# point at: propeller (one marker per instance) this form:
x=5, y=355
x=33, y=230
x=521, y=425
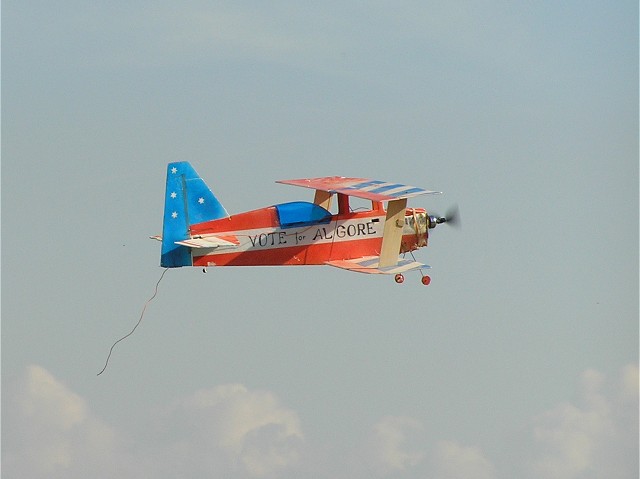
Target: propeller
x=452, y=217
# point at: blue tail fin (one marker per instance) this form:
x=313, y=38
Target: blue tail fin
x=187, y=200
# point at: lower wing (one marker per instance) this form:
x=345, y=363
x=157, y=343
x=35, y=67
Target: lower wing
x=370, y=265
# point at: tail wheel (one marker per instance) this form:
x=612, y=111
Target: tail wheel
x=399, y=278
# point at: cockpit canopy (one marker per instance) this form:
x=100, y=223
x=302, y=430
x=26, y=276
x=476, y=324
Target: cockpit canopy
x=301, y=213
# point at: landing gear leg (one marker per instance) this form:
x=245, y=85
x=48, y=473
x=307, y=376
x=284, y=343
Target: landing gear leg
x=399, y=278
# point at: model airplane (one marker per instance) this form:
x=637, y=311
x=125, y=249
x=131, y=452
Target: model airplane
x=198, y=231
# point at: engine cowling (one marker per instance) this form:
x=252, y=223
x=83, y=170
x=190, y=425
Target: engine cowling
x=416, y=225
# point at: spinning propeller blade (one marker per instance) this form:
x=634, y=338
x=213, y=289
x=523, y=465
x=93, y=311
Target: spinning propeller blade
x=452, y=217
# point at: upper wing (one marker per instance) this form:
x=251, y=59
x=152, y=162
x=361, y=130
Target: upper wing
x=371, y=265
x=374, y=190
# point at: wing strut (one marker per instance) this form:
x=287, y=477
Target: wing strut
x=323, y=198
x=392, y=233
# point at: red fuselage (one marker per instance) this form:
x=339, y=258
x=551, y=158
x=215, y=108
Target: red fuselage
x=263, y=239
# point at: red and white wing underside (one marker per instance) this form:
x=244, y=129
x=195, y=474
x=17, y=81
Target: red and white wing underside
x=368, y=189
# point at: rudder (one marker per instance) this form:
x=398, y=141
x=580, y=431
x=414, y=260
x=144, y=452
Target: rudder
x=187, y=201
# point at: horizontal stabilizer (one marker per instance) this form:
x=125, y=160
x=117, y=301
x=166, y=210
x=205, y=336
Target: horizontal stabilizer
x=370, y=265
x=228, y=241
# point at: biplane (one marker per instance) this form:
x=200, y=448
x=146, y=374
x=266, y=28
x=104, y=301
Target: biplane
x=198, y=231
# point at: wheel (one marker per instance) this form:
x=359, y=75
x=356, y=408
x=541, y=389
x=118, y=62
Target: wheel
x=426, y=280
x=399, y=278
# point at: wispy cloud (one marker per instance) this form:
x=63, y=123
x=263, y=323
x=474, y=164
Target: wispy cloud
x=49, y=431
x=231, y=428
x=454, y=461
x=391, y=446
x=596, y=437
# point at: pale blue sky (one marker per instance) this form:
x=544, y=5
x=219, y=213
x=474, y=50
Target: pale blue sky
x=519, y=360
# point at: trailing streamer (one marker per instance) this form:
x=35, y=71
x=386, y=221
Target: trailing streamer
x=137, y=324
